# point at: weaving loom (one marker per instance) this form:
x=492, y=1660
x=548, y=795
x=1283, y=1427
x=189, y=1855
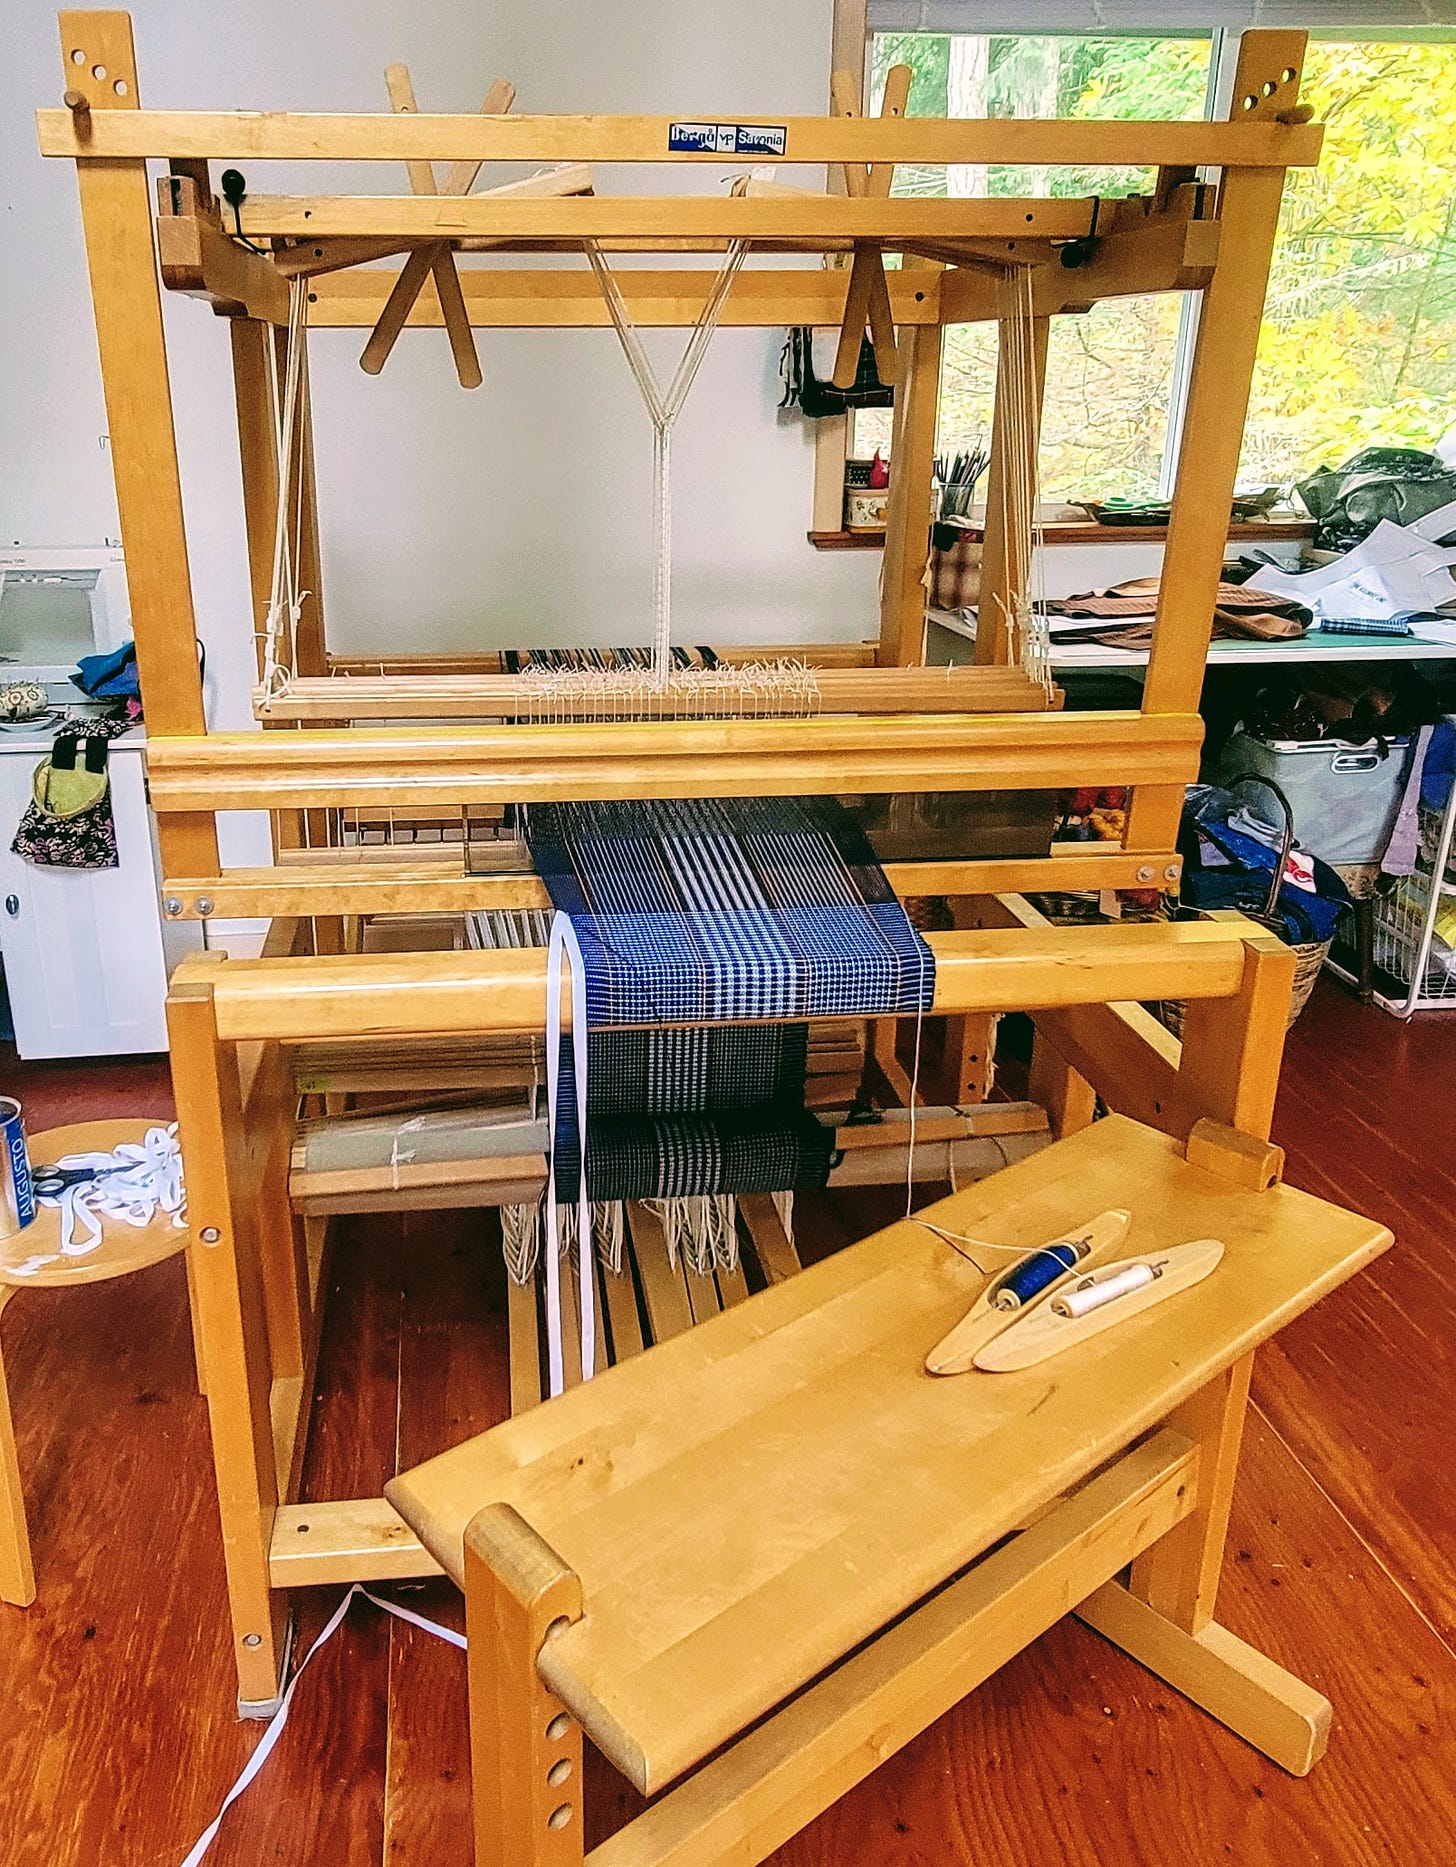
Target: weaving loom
x=355, y=1044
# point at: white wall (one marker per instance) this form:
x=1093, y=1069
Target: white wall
x=513, y=515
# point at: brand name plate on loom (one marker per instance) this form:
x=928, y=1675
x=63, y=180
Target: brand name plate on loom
x=726, y=139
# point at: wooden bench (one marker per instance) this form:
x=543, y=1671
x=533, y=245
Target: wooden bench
x=670, y=1554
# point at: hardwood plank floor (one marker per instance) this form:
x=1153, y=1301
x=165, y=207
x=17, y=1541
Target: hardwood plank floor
x=117, y=1735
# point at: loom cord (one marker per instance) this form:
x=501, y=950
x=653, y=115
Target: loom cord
x=565, y=950
x=663, y=411
x=1022, y=529
x=289, y=402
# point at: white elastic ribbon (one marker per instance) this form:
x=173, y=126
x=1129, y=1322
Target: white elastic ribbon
x=280, y=1717
x=129, y=1185
x=564, y=943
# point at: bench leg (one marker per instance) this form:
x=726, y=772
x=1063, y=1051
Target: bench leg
x=1266, y=1706
x=1164, y=1616
x=17, y=1576
x=1068, y=1098
x=525, y=1747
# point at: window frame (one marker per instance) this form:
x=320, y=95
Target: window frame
x=851, y=35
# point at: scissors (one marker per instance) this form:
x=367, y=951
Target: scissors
x=51, y=1182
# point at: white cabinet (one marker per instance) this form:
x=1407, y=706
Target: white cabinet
x=84, y=965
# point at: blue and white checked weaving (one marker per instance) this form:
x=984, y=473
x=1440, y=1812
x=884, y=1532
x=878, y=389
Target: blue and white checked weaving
x=721, y=910
x=711, y=927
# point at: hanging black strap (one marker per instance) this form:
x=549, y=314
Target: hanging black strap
x=63, y=753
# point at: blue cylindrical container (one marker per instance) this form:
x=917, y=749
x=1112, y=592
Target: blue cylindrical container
x=17, y=1192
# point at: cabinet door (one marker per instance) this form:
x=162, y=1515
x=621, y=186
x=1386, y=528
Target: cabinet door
x=83, y=947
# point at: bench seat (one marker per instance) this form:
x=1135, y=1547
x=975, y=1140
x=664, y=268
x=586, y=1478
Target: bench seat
x=747, y=1503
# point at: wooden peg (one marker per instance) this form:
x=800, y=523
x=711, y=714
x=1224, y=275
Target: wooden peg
x=867, y=263
x=436, y=258
x=844, y=96
x=869, y=182
x=460, y=176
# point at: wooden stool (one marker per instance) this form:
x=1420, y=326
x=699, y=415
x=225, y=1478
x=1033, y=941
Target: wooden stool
x=123, y=1248
x=668, y=1556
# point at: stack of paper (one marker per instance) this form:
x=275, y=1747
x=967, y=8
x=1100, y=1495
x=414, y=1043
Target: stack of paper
x=1397, y=571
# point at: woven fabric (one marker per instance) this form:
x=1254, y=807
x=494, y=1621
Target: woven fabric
x=691, y=1110
x=694, y=1069
x=685, y=1156
x=715, y=925
x=698, y=911
x=557, y=660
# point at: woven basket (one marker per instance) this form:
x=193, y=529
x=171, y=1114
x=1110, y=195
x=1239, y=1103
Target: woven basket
x=1309, y=955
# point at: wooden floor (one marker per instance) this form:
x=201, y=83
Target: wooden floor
x=117, y=1739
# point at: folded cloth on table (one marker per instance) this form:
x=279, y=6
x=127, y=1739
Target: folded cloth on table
x=1139, y=597
x=1228, y=626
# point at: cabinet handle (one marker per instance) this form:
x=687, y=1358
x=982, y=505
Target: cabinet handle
x=12, y=905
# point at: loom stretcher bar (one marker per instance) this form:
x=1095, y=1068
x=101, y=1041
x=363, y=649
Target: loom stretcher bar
x=506, y=696
x=553, y=297
x=802, y=223
x=666, y=758
x=267, y=135
x=400, y=994
x=442, y=887
x=1180, y=259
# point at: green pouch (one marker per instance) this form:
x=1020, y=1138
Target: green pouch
x=68, y=823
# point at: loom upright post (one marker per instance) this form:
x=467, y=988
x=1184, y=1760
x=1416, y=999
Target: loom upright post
x=1266, y=89
x=98, y=65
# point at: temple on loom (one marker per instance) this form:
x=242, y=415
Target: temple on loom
x=632, y=951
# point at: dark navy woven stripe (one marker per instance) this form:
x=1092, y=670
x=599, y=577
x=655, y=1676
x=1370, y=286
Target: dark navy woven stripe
x=685, y=1156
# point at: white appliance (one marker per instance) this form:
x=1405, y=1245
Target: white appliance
x=83, y=949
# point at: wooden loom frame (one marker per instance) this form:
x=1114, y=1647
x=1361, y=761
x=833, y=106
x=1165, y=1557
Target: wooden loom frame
x=258, y=1271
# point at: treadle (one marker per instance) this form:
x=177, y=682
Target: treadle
x=748, y=1502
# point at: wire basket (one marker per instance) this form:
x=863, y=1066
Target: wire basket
x=1400, y=917
x=1309, y=955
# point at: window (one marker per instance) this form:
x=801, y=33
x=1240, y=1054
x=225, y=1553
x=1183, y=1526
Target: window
x=1359, y=342
x=1110, y=371
x=1359, y=339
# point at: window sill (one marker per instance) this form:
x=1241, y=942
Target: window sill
x=1072, y=532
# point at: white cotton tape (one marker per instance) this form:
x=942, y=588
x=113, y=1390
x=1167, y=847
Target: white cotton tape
x=565, y=948
x=274, y=1731
x=128, y=1186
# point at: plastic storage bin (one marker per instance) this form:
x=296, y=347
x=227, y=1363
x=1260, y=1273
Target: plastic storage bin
x=1345, y=798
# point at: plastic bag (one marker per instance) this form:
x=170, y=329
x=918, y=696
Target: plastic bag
x=1401, y=484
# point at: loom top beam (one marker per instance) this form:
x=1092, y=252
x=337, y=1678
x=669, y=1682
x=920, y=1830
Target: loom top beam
x=271, y=135
x=451, y=766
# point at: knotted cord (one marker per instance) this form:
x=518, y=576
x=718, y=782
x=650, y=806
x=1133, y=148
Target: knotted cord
x=663, y=411
x=289, y=403
x=1024, y=604
x=127, y=1185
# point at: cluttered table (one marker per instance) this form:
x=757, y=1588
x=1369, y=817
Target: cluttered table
x=1428, y=641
